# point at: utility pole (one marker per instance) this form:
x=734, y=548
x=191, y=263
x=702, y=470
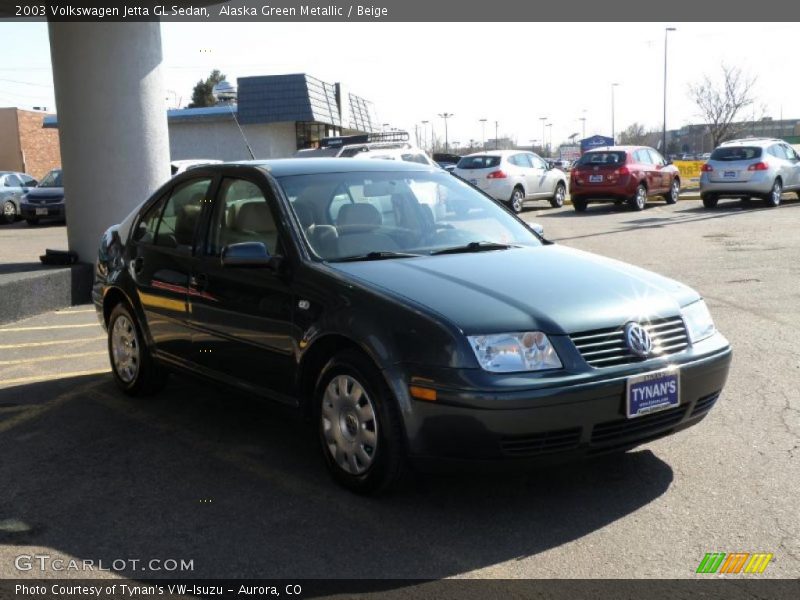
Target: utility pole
x=483, y=133
x=496, y=140
x=613, y=130
x=664, y=131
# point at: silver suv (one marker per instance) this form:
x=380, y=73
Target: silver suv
x=754, y=167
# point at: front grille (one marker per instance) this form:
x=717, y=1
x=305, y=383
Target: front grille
x=541, y=443
x=607, y=347
x=45, y=200
x=637, y=428
x=705, y=404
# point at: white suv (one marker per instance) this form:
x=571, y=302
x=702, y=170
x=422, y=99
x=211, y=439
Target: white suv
x=752, y=167
x=514, y=177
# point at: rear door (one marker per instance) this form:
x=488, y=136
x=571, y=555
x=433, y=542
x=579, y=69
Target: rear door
x=664, y=176
x=541, y=175
x=644, y=164
x=241, y=316
x=794, y=166
x=163, y=257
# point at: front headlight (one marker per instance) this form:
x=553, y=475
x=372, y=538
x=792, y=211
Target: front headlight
x=510, y=352
x=699, y=323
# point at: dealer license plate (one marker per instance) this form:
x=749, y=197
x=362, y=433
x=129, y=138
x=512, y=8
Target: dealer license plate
x=41, y=211
x=473, y=181
x=595, y=178
x=653, y=392
x=730, y=174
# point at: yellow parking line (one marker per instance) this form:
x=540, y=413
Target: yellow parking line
x=51, y=343
x=53, y=377
x=45, y=327
x=74, y=312
x=46, y=358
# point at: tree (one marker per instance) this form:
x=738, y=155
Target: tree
x=202, y=93
x=634, y=135
x=720, y=103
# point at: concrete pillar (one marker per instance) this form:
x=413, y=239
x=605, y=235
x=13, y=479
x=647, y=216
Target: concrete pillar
x=112, y=123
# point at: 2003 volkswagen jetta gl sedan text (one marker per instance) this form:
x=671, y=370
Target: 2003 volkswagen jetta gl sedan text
x=411, y=318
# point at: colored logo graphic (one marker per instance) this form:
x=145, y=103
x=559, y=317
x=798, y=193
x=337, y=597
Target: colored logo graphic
x=735, y=562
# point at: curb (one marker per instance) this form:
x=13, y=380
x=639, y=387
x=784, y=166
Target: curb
x=693, y=195
x=38, y=290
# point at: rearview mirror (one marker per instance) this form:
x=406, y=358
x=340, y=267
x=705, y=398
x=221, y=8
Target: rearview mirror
x=248, y=254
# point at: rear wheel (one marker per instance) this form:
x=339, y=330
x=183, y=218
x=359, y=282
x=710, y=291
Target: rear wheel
x=9, y=212
x=557, y=201
x=516, y=200
x=135, y=371
x=359, y=425
x=639, y=199
x=710, y=201
x=674, y=192
x=774, y=196
x=579, y=204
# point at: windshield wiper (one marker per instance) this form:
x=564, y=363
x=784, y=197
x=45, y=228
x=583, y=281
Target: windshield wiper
x=473, y=247
x=382, y=255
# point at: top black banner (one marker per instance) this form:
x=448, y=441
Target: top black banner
x=400, y=10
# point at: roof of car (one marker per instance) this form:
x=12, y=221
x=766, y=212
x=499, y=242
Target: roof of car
x=616, y=148
x=282, y=167
x=750, y=141
x=497, y=152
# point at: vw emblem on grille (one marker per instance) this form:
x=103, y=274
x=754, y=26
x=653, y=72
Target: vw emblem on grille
x=638, y=340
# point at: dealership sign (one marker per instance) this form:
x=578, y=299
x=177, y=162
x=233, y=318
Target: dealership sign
x=596, y=141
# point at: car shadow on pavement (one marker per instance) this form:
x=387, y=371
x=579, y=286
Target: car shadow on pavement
x=237, y=486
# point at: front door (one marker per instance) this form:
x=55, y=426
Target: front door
x=163, y=257
x=242, y=316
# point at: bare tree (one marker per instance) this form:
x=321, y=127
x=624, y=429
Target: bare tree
x=634, y=135
x=720, y=103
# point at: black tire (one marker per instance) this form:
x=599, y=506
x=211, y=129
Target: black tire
x=33, y=222
x=579, y=204
x=9, y=212
x=384, y=464
x=517, y=200
x=146, y=376
x=710, y=201
x=559, y=193
x=773, y=199
x=639, y=199
x=674, y=192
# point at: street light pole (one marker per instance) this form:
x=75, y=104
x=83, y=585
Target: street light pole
x=543, y=120
x=445, y=116
x=613, y=129
x=583, y=119
x=550, y=144
x=664, y=131
x=425, y=135
x=483, y=133
x=496, y=141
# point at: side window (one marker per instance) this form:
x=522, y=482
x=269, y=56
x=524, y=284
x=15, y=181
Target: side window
x=13, y=181
x=790, y=153
x=181, y=215
x=537, y=162
x=655, y=157
x=242, y=215
x=642, y=157
x=415, y=158
x=148, y=225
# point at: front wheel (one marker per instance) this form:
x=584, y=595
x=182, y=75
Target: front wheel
x=516, y=200
x=9, y=212
x=774, y=197
x=359, y=425
x=639, y=199
x=557, y=201
x=674, y=192
x=135, y=371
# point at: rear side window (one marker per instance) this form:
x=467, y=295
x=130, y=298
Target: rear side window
x=181, y=215
x=602, y=159
x=13, y=181
x=478, y=162
x=777, y=151
x=731, y=153
x=415, y=158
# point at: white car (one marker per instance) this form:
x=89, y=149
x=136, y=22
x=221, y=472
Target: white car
x=514, y=177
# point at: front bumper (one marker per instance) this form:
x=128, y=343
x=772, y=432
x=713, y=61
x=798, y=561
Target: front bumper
x=31, y=211
x=553, y=424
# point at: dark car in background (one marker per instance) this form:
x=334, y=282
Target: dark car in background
x=407, y=336
x=13, y=186
x=45, y=201
x=620, y=174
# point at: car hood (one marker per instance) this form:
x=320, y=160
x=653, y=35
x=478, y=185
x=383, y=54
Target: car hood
x=550, y=288
x=45, y=192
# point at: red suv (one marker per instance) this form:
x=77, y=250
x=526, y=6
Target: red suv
x=620, y=173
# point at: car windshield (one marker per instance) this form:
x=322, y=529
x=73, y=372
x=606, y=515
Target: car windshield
x=398, y=214
x=52, y=179
x=478, y=162
x=601, y=159
x=731, y=153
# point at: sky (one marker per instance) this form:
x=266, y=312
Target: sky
x=513, y=73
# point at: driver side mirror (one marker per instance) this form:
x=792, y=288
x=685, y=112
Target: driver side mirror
x=537, y=228
x=249, y=254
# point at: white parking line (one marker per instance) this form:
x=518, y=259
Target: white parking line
x=44, y=327
x=7, y=382
x=51, y=357
x=51, y=343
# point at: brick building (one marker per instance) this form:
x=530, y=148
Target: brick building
x=26, y=146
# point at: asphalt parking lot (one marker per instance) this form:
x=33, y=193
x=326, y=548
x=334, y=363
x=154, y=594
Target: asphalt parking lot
x=236, y=486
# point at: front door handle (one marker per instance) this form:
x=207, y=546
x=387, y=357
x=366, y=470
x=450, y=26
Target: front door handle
x=199, y=281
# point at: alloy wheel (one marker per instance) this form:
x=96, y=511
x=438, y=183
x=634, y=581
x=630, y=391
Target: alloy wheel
x=349, y=425
x=516, y=200
x=9, y=211
x=775, y=194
